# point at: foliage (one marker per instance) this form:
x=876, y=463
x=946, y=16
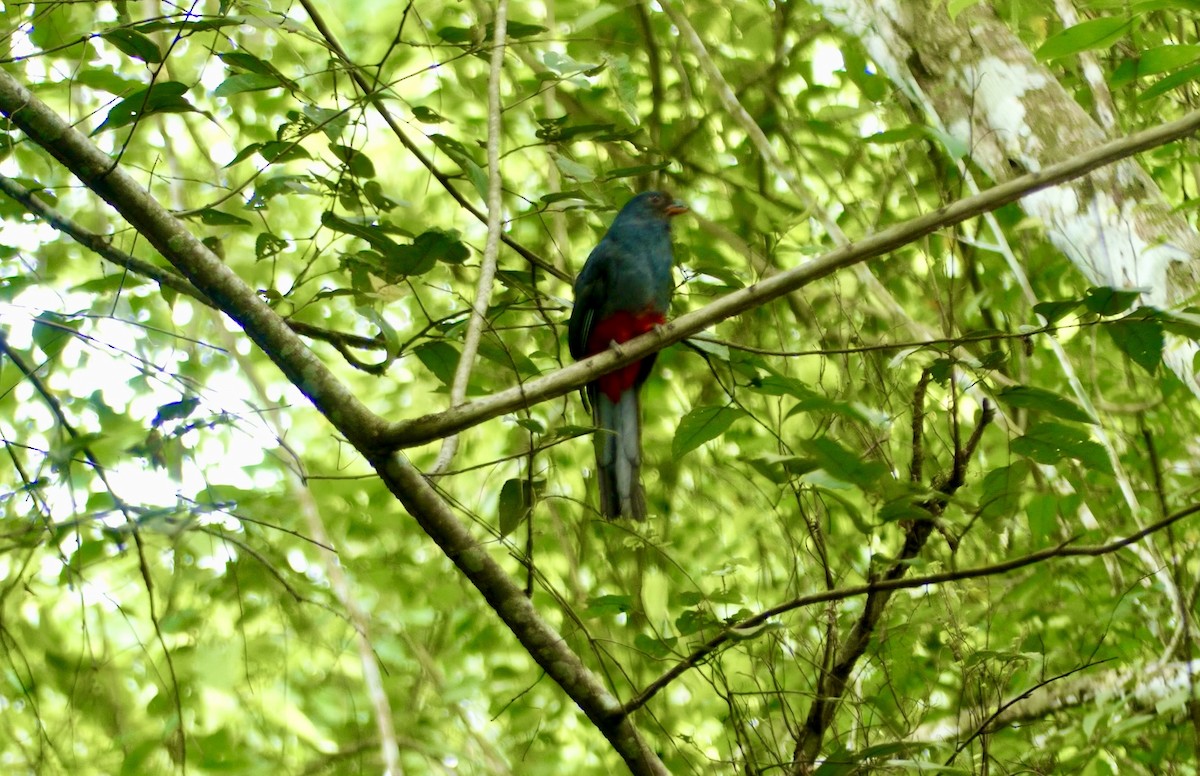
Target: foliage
x=165, y=596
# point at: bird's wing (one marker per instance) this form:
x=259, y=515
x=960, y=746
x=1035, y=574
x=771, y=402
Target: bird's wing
x=591, y=291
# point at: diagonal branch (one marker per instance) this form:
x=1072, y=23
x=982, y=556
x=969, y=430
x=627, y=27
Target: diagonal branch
x=376, y=99
x=431, y=427
x=102, y=245
x=334, y=400
x=1064, y=550
x=831, y=684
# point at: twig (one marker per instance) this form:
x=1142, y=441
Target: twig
x=1058, y=551
x=381, y=108
x=431, y=427
x=342, y=408
x=491, y=250
x=1012, y=702
x=164, y=276
x=56, y=409
x=339, y=583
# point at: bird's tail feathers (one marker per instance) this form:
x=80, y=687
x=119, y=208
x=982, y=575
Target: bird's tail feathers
x=619, y=455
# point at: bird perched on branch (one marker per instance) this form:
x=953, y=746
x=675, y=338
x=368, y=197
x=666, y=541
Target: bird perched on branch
x=624, y=290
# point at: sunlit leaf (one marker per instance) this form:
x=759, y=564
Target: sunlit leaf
x=1085, y=36
x=702, y=424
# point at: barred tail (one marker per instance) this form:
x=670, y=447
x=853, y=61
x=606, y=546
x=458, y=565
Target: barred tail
x=619, y=454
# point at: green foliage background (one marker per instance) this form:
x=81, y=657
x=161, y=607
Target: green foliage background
x=179, y=603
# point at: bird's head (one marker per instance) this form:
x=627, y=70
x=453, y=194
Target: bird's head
x=651, y=205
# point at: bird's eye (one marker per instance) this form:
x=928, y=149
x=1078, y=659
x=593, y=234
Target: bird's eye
x=657, y=199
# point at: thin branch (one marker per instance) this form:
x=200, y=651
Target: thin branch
x=1014, y=701
x=302, y=497
x=917, y=467
x=60, y=416
x=164, y=276
x=491, y=250
x=747, y=123
x=342, y=408
x=434, y=426
x=376, y=100
x=1059, y=551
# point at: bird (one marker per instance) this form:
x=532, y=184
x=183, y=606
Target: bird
x=623, y=290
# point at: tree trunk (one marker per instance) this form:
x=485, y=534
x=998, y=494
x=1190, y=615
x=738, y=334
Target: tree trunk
x=973, y=78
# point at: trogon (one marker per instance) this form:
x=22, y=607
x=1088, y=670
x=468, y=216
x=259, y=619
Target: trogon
x=623, y=290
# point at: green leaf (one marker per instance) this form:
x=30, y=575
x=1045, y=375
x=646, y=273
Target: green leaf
x=1184, y=324
x=267, y=245
x=246, y=82
x=560, y=196
x=163, y=97
x=244, y=60
x=1140, y=338
x=910, y=506
x=515, y=505
x=1163, y=58
x=439, y=357
x=244, y=154
x=607, y=605
x=781, y=468
x=956, y=147
x=1110, y=301
x=628, y=172
x=459, y=34
x=701, y=425
x=135, y=44
x=427, y=115
x=557, y=131
x=1032, y=398
x=781, y=385
x=516, y=29
x=270, y=187
x=201, y=25
x=1041, y=513
x=374, y=194
x=1049, y=443
x=394, y=261
x=872, y=86
x=356, y=161
x=373, y=233
x=1056, y=311
x=1172, y=81
x=105, y=79
x=626, y=86
x=440, y=245
x=1085, y=36
x=574, y=170
x=1002, y=491
x=181, y=620
x=459, y=154
x=276, y=151
x=901, y=135
x=391, y=339
x=845, y=465
x=564, y=64
x=214, y=217
x=501, y=353
x=332, y=122
x=655, y=648
x=955, y=7
x=52, y=331
x=176, y=410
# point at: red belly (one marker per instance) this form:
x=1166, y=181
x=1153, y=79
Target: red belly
x=621, y=327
